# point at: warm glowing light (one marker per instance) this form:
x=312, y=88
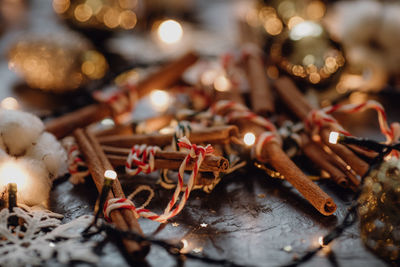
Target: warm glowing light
x=9, y=103
x=273, y=26
x=222, y=84
x=111, y=18
x=159, y=100
x=60, y=6
x=127, y=19
x=321, y=241
x=204, y=225
x=316, y=10
x=293, y=21
x=170, y=31
x=185, y=245
x=249, y=139
x=167, y=130
x=314, y=78
x=11, y=172
x=305, y=29
x=83, y=12
x=110, y=174
x=357, y=97
x=208, y=77
x=108, y=122
x=333, y=137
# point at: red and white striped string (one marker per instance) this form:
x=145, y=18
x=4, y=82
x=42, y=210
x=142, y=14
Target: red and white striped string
x=76, y=166
x=320, y=118
x=120, y=100
x=232, y=111
x=173, y=207
x=141, y=159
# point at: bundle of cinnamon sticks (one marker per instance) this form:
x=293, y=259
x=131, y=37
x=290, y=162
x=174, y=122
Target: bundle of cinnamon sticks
x=343, y=165
x=97, y=162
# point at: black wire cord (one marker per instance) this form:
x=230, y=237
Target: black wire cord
x=351, y=216
x=173, y=249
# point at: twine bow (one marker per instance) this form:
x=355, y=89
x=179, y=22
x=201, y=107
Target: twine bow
x=174, y=207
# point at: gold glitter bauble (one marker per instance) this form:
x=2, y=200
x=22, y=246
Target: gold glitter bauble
x=98, y=14
x=62, y=63
x=380, y=210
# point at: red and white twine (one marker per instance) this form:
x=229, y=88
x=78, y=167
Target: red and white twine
x=141, y=159
x=321, y=118
x=173, y=207
x=232, y=111
x=76, y=166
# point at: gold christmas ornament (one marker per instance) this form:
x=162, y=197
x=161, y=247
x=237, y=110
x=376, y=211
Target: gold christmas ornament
x=379, y=210
x=98, y=14
x=59, y=64
x=306, y=52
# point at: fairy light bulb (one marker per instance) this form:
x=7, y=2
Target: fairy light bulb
x=249, y=139
x=333, y=137
x=9, y=103
x=159, y=100
x=170, y=31
x=110, y=174
x=11, y=172
x=109, y=177
x=222, y=84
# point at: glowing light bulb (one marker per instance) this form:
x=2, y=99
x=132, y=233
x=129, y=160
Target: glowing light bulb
x=9, y=103
x=11, y=172
x=305, y=29
x=333, y=137
x=159, y=100
x=249, y=139
x=185, y=245
x=108, y=122
x=110, y=174
x=222, y=84
x=170, y=31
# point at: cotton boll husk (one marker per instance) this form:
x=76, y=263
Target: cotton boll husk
x=36, y=189
x=50, y=151
x=19, y=130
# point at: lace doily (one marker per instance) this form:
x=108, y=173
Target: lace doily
x=40, y=236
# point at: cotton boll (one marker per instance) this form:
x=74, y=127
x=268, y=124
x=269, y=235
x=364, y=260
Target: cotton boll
x=50, y=151
x=36, y=189
x=19, y=130
x=3, y=155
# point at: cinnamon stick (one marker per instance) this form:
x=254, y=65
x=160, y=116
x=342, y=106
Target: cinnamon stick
x=65, y=124
x=128, y=215
x=154, y=124
x=122, y=129
x=217, y=134
x=261, y=97
x=322, y=159
x=346, y=154
x=296, y=102
x=164, y=77
x=97, y=171
x=273, y=154
x=169, y=160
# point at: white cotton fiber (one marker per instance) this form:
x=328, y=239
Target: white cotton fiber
x=37, y=187
x=19, y=130
x=3, y=155
x=50, y=151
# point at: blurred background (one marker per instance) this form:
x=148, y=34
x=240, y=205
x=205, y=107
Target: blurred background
x=55, y=54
